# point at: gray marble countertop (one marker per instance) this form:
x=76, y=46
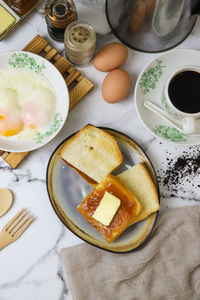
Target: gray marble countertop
x=31, y=268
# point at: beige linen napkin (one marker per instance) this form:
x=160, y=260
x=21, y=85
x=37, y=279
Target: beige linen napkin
x=167, y=267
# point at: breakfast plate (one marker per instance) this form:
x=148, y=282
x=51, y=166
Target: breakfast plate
x=37, y=101
x=66, y=189
x=149, y=87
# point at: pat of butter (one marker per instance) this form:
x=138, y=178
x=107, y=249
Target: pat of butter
x=107, y=209
x=6, y=20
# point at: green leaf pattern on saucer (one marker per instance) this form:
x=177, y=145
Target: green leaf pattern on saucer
x=54, y=127
x=23, y=60
x=150, y=78
x=150, y=87
x=170, y=133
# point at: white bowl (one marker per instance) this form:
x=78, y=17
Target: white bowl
x=37, y=64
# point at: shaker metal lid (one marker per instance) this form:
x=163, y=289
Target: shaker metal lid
x=80, y=36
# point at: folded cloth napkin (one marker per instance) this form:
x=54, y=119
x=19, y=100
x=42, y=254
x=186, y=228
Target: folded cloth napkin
x=167, y=267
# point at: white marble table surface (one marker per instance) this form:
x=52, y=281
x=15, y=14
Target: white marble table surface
x=31, y=268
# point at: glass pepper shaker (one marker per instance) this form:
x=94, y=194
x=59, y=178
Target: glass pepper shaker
x=80, y=43
x=58, y=15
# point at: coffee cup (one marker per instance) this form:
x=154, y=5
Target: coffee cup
x=182, y=95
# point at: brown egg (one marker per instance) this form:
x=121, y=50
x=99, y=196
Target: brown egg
x=136, y=17
x=116, y=86
x=110, y=57
x=150, y=4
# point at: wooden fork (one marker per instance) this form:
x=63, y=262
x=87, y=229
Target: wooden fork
x=15, y=227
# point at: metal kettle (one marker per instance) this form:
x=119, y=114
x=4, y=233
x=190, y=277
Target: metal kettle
x=152, y=25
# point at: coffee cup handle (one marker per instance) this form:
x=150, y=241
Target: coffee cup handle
x=189, y=125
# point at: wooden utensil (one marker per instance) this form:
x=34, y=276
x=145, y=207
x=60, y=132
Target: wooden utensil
x=15, y=227
x=6, y=200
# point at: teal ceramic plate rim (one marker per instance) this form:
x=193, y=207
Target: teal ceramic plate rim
x=156, y=179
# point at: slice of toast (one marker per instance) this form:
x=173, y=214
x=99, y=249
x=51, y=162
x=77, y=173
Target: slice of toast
x=93, y=152
x=140, y=183
x=126, y=213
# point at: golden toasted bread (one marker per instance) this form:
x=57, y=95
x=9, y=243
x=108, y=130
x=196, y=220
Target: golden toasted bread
x=92, y=152
x=140, y=183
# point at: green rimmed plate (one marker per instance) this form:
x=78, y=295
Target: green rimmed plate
x=39, y=66
x=67, y=189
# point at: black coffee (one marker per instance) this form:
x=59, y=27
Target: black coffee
x=184, y=91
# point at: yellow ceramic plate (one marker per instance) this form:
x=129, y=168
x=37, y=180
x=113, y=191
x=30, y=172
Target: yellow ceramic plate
x=67, y=189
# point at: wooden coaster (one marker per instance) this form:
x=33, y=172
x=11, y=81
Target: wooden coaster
x=78, y=85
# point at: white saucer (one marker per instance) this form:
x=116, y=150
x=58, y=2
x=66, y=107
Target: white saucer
x=149, y=86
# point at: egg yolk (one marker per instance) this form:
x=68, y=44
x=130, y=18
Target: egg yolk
x=10, y=123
